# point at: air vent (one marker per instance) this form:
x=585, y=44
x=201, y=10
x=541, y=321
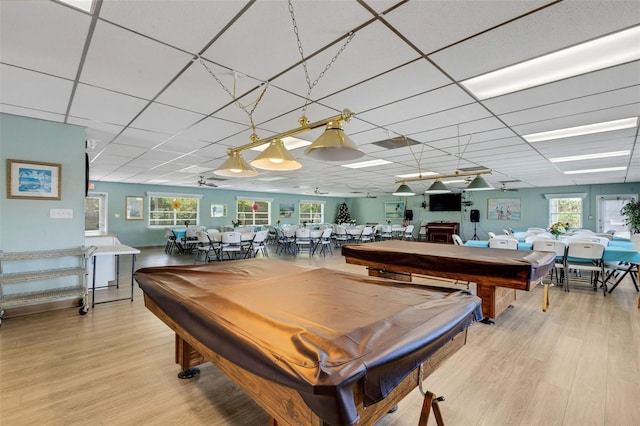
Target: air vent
x=472, y=169
x=394, y=143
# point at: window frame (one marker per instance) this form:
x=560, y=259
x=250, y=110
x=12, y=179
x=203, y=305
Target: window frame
x=253, y=214
x=556, y=215
x=177, y=219
x=311, y=217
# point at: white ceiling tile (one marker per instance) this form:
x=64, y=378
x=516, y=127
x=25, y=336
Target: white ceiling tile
x=165, y=119
x=537, y=34
x=112, y=107
x=428, y=24
x=158, y=19
x=622, y=76
x=42, y=36
x=125, y=62
x=34, y=90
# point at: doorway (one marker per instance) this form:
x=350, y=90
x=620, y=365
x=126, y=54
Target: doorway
x=609, y=217
x=95, y=212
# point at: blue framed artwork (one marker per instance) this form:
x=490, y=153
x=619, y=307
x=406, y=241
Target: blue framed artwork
x=33, y=180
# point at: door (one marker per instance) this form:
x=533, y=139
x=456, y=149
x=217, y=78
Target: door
x=609, y=217
x=95, y=212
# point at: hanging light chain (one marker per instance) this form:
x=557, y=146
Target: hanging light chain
x=304, y=62
x=255, y=103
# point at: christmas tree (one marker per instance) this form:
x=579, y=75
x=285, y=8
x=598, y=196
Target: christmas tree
x=343, y=214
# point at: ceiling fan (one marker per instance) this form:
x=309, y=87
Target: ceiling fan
x=203, y=182
x=371, y=196
x=318, y=192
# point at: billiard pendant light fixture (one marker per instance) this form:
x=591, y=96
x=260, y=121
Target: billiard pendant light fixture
x=235, y=166
x=333, y=145
x=276, y=157
x=404, y=191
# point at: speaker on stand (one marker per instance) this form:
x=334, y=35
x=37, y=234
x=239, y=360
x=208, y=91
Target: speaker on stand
x=475, y=218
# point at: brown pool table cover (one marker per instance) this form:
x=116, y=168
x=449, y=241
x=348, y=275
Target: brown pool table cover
x=489, y=266
x=318, y=331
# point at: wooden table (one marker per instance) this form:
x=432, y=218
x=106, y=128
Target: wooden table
x=497, y=273
x=292, y=340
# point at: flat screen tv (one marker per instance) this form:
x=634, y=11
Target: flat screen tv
x=445, y=202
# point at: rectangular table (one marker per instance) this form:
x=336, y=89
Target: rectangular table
x=620, y=251
x=115, y=250
x=497, y=273
x=311, y=346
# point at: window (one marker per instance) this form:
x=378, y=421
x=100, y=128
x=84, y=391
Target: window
x=166, y=210
x=253, y=212
x=566, y=210
x=311, y=212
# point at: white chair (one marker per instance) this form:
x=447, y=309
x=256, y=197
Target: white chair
x=325, y=242
x=190, y=240
x=386, y=232
x=535, y=229
x=204, y=246
x=367, y=235
x=557, y=247
x=231, y=244
x=303, y=240
x=259, y=244
x=503, y=243
x=536, y=237
x=285, y=241
x=422, y=232
x=172, y=241
x=408, y=232
x=457, y=240
x=341, y=236
x=586, y=256
x=491, y=235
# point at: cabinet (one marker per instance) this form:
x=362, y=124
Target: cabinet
x=441, y=232
x=17, y=269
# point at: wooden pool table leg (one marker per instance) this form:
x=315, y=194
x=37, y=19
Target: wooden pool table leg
x=431, y=401
x=545, y=297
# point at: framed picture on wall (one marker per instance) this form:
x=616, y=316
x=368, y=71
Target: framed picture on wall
x=286, y=210
x=135, y=208
x=394, y=210
x=33, y=180
x=218, y=210
x=503, y=209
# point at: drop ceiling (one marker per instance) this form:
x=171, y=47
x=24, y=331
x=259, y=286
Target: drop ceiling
x=130, y=72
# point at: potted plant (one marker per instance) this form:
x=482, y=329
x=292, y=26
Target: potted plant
x=631, y=212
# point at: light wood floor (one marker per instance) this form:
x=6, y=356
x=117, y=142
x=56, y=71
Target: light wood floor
x=577, y=364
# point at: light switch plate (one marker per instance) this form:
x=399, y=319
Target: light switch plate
x=61, y=213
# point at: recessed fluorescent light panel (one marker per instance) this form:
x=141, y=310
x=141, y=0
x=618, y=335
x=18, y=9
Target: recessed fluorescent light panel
x=363, y=164
x=86, y=5
x=415, y=175
x=606, y=126
x=604, y=52
x=590, y=156
x=289, y=143
x=605, y=169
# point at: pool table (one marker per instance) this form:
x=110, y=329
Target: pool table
x=498, y=273
x=311, y=346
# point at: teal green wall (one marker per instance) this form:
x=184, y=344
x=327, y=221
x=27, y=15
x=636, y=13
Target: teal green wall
x=137, y=234
x=534, y=206
x=25, y=225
